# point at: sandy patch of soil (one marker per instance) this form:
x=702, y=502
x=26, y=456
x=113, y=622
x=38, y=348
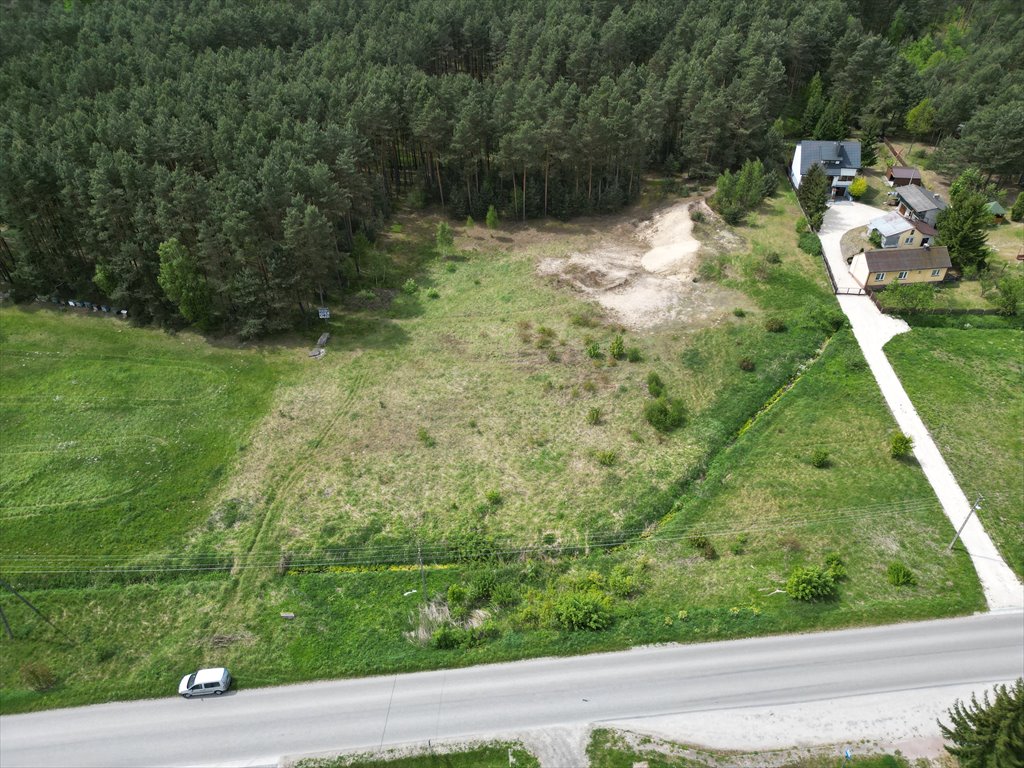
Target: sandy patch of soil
x=645, y=272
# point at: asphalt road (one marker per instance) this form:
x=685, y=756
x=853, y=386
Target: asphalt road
x=257, y=727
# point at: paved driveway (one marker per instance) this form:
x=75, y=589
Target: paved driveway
x=873, y=329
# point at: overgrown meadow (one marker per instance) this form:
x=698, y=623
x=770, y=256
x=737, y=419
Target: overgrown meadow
x=486, y=422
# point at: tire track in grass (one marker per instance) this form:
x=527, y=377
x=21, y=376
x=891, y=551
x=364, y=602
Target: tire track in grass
x=249, y=575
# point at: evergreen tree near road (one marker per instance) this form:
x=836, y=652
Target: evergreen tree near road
x=989, y=734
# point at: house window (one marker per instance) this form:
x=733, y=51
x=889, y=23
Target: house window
x=901, y=276
x=936, y=272
x=909, y=240
x=879, y=276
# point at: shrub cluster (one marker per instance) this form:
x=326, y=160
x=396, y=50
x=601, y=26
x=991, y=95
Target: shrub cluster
x=655, y=385
x=820, y=458
x=774, y=325
x=665, y=413
x=700, y=541
x=618, y=348
x=809, y=243
x=810, y=583
x=900, y=445
x=899, y=575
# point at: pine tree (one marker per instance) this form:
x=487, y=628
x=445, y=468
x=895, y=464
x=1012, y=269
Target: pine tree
x=989, y=734
x=962, y=226
x=813, y=195
x=815, y=106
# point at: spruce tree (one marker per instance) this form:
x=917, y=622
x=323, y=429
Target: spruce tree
x=989, y=734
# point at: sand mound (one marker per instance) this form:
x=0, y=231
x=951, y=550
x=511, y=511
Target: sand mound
x=645, y=275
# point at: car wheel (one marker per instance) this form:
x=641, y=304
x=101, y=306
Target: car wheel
x=187, y=695
x=218, y=692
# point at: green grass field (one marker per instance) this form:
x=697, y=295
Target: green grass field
x=114, y=436
x=458, y=423
x=966, y=385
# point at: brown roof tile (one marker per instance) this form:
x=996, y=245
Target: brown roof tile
x=899, y=259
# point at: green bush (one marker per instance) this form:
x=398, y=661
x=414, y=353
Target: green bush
x=875, y=238
x=481, y=587
x=820, y=458
x=665, y=414
x=444, y=238
x=634, y=355
x=748, y=365
x=594, y=416
x=774, y=325
x=809, y=584
x=697, y=215
x=37, y=676
x=410, y=288
x=627, y=580
x=456, y=595
x=801, y=225
x=899, y=575
x=588, y=609
x=492, y=218
x=655, y=385
x=700, y=541
x=1017, y=211
x=739, y=545
x=505, y=594
x=433, y=294
x=594, y=351
x=858, y=187
x=900, y=445
x=425, y=437
x=739, y=312
x=494, y=497
x=618, y=348
x=809, y=243
x=606, y=458
x=469, y=222
x=835, y=566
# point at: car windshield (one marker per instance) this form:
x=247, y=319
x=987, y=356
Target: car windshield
x=191, y=680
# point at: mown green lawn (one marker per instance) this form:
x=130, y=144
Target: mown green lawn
x=113, y=436
x=966, y=385
x=455, y=422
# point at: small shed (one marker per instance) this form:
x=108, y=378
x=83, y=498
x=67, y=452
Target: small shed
x=877, y=269
x=902, y=175
x=996, y=211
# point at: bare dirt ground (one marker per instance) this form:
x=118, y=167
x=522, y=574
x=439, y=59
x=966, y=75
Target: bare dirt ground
x=645, y=271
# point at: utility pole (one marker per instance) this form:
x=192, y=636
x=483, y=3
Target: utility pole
x=975, y=508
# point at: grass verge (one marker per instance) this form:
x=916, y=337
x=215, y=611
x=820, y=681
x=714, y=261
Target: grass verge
x=965, y=384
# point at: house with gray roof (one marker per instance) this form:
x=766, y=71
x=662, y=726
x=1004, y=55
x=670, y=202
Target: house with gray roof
x=918, y=204
x=839, y=159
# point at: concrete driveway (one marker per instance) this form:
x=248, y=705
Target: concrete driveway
x=873, y=329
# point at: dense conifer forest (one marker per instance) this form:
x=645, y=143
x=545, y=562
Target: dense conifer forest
x=221, y=161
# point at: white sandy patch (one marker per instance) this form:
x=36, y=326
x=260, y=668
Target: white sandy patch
x=647, y=277
x=673, y=246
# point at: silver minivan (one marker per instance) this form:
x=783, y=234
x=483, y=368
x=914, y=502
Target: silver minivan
x=205, y=682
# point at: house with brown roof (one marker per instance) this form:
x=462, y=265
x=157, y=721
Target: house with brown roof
x=901, y=175
x=877, y=269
